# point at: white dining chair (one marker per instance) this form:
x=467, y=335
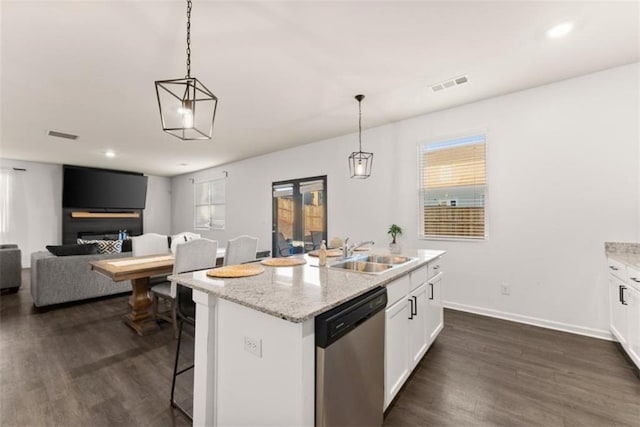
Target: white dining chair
x=240, y=250
x=181, y=238
x=197, y=254
x=149, y=244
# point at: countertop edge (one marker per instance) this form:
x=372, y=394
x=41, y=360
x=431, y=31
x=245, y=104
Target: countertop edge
x=384, y=279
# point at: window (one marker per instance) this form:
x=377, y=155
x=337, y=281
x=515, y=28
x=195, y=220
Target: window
x=209, y=206
x=453, y=188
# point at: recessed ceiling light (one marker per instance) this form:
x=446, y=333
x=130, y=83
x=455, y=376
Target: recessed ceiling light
x=560, y=30
x=109, y=153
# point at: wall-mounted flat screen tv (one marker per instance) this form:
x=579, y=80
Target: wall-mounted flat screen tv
x=103, y=189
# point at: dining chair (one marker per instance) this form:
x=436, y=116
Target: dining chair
x=157, y=244
x=198, y=254
x=240, y=250
x=284, y=249
x=181, y=238
x=149, y=244
x=313, y=241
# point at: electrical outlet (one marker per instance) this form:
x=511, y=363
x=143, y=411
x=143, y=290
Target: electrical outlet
x=253, y=346
x=505, y=289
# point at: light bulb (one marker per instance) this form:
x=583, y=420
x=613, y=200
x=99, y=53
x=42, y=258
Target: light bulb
x=360, y=168
x=187, y=114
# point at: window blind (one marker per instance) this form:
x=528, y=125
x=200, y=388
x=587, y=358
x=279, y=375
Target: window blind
x=453, y=188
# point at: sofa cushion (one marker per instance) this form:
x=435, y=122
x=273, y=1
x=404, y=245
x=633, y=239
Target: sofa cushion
x=104, y=246
x=73, y=249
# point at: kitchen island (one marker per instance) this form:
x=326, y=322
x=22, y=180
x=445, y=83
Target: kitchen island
x=254, y=338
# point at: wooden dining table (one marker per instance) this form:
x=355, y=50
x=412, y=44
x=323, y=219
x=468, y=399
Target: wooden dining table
x=139, y=270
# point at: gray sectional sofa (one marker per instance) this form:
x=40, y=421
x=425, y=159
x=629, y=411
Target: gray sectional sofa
x=58, y=279
x=10, y=267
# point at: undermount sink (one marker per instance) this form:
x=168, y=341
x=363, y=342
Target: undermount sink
x=372, y=264
x=386, y=259
x=361, y=266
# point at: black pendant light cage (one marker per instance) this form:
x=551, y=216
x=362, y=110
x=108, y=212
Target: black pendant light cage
x=187, y=107
x=360, y=162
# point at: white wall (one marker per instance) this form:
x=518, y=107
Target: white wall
x=563, y=170
x=35, y=216
x=157, y=212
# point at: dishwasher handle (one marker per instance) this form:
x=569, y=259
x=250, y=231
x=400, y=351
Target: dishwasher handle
x=334, y=324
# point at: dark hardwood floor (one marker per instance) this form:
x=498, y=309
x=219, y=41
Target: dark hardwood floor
x=79, y=365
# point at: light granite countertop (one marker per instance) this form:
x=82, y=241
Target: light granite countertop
x=626, y=253
x=302, y=292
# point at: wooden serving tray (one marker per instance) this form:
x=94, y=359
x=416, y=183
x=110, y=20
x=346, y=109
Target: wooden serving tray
x=242, y=270
x=283, y=262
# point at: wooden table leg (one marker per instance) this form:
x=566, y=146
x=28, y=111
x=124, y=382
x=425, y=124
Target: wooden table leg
x=140, y=302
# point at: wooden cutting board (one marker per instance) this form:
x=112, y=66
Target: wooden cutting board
x=283, y=262
x=241, y=270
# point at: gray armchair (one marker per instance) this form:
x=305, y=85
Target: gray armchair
x=10, y=267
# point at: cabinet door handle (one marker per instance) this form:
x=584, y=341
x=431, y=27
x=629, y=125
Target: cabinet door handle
x=435, y=267
x=622, y=288
x=411, y=308
x=613, y=268
x=415, y=305
x=431, y=285
x=635, y=279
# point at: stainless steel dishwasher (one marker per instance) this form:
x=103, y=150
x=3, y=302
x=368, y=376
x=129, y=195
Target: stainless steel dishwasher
x=350, y=362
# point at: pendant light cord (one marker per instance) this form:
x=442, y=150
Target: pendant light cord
x=188, y=39
x=360, y=125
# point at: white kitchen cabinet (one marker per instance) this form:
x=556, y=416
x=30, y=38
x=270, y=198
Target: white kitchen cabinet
x=618, y=316
x=632, y=298
x=435, y=312
x=418, y=337
x=413, y=320
x=396, y=349
x=633, y=308
x=624, y=307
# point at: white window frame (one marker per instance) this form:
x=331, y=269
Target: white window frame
x=421, y=190
x=211, y=225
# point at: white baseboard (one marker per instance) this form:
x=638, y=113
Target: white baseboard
x=549, y=324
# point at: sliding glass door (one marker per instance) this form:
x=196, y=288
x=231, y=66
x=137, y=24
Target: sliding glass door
x=299, y=215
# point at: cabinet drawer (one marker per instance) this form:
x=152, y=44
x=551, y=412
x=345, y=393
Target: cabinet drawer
x=418, y=277
x=617, y=269
x=434, y=268
x=634, y=277
x=398, y=289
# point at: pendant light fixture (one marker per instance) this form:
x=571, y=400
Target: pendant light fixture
x=187, y=107
x=360, y=162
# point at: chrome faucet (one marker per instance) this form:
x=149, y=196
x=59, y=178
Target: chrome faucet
x=347, y=250
x=366, y=242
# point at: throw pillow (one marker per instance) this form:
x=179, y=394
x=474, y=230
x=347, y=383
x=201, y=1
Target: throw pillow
x=105, y=246
x=73, y=249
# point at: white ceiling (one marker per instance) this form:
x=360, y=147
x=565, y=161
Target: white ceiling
x=285, y=72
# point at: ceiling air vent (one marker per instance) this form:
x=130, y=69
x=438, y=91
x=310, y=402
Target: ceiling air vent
x=62, y=135
x=446, y=84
